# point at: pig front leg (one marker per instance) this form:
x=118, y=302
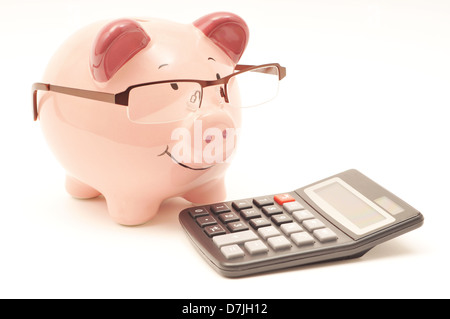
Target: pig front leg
x=211, y=192
x=131, y=209
x=80, y=190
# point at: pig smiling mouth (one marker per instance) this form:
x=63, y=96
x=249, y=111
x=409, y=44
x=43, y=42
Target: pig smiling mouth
x=181, y=164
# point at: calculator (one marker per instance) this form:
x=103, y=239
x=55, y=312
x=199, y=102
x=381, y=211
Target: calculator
x=339, y=217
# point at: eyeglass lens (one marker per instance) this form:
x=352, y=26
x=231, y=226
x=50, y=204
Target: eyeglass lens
x=165, y=102
x=254, y=87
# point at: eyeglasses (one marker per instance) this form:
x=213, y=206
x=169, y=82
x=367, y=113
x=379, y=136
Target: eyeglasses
x=174, y=100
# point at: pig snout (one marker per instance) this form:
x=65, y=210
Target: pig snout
x=209, y=140
x=219, y=137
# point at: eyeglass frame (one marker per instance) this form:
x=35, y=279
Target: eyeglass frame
x=122, y=98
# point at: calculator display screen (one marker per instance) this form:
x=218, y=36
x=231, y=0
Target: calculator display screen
x=348, y=206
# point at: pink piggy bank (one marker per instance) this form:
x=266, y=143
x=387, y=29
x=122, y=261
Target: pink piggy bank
x=143, y=110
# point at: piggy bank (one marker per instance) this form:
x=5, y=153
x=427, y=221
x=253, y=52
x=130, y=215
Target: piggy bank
x=141, y=110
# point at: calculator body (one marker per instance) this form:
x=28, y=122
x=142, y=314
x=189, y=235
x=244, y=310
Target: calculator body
x=339, y=217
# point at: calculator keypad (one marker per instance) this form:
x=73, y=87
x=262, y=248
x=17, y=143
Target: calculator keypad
x=257, y=226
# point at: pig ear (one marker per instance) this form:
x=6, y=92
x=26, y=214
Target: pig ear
x=115, y=44
x=228, y=31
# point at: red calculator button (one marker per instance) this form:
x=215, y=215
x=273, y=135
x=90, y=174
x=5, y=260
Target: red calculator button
x=283, y=198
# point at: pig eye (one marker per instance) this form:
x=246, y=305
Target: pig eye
x=174, y=86
x=218, y=76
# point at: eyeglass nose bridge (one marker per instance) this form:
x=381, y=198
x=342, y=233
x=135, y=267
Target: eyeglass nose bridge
x=195, y=101
x=194, y=97
x=224, y=94
x=221, y=90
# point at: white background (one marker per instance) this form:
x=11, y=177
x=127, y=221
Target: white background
x=367, y=88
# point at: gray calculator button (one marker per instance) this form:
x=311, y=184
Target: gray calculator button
x=250, y=213
x=241, y=204
x=302, y=239
x=256, y=247
x=325, y=235
x=263, y=201
x=203, y=221
x=302, y=215
x=292, y=207
x=237, y=226
x=228, y=217
x=214, y=230
x=234, y=238
x=313, y=224
x=268, y=231
x=290, y=228
x=259, y=222
x=281, y=219
x=219, y=208
x=279, y=243
x=232, y=251
x=271, y=210
x=196, y=212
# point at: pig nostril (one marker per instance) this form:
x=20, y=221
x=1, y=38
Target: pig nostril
x=208, y=139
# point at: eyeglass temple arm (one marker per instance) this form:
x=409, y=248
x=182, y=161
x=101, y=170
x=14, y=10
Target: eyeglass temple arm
x=281, y=69
x=92, y=95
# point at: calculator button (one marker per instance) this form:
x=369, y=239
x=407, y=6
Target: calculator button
x=214, y=230
x=290, y=228
x=262, y=201
x=259, y=222
x=196, y=212
x=234, y=238
x=302, y=239
x=237, y=226
x=302, y=215
x=283, y=198
x=268, y=231
x=281, y=219
x=203, y=221
x=232, y=251
x=250, y=213
x=292, y=207
x=241, y=204
x=271, y=210
x=256, y=247
x=220, y=208
x=325, y=235
x=313, y=224
x=228, y=217
x=279, y=243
